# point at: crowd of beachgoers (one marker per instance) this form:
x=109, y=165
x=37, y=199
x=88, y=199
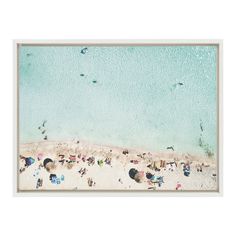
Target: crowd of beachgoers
x=81, y=166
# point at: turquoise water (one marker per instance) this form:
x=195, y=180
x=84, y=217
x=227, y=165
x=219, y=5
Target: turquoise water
x=127, y=96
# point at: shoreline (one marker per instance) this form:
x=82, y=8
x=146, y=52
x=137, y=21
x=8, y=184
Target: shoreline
x=133, y=149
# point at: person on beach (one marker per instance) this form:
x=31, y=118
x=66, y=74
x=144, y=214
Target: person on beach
x=199, y=168
x=82, y=171
x=108, y=161
x=100, y=163
x=155, y=179
x=91, y=161
x=186, y=169
x=22, y=169
x=83, y=158
x=125, y=151
x=178, y=186
x=40, y=156
x=171, y=166
x=39, y=183
x=162, y=164
x=91, y=182
x=134, y=161
x=62, y=162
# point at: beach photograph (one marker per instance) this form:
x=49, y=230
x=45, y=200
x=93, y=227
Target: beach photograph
x=117, y=117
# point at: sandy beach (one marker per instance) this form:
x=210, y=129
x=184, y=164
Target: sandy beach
x=77, y=165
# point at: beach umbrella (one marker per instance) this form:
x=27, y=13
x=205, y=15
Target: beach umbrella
x=29, y=161
x=132, y=173
x=49, y=164
x=46, y=161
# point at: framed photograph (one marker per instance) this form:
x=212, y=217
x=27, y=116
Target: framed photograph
x=118, y=117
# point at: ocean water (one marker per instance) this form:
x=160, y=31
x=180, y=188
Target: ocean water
x=148, y=97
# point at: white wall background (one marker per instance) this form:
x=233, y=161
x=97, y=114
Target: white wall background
x=123, y=19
